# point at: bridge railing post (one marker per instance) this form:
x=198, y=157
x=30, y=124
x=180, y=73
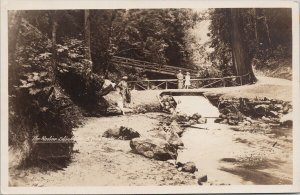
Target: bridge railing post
x=166, y=84
x=148, y=85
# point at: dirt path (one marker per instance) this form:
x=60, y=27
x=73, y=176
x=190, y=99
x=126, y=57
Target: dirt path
x=107, y=162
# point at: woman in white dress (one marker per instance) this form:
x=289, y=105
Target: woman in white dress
x=187, y=82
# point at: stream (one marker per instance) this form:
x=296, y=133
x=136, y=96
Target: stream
x=231, y=157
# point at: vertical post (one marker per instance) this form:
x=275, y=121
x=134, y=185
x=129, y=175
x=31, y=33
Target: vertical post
x=134, y=85
x=224, y=84
x=166, y=84
x=148, y=85
x=241, y=79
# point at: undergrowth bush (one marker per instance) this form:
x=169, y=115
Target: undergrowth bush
x=38, y=106
x=77, y=78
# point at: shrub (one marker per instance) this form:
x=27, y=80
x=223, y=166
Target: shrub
x=38, y=106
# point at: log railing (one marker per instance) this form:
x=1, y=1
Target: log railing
x=195, y=83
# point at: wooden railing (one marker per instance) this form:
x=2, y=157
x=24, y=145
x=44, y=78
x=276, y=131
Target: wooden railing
x=172, y=70
x=149, y=66
x=195, y=83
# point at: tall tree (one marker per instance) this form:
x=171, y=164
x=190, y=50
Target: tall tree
x=87, y=34
x=241, y=60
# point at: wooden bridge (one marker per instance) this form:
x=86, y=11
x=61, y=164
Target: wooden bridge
x=171, y=70
x=151, y=67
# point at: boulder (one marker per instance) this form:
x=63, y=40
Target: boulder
x=155, y=148
x=171, y=137
x=261, y=109
x=189, y=167
x=112, y=132
x=128, y=133
x=196, y=116
x=202, y=178
x=121, y=133
x=176, y=128
x=218, y=120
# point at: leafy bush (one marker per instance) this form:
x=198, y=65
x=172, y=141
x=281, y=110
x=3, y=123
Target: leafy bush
x=38, y=105
x=76, y=77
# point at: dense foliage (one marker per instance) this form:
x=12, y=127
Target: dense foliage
x=152, y=35
x=266, y=33
x=38, y=106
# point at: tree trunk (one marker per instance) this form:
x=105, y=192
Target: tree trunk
x=54, y=32
x=13, y=34
x=110, y=52
x=255, y=26
x=241, y=60
x=87, y=34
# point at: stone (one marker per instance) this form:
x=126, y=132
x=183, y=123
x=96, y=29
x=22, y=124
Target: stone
x=171, y=137
x=261, y=109
x=273, y=114
x=124, y=133
x=128, y=133
x=176, y=128
x=155, y=148
x=232, y=122
x=225, y=121
x=202, y=178
x=189, y=167
x=114, y=132
x=202, y=121
x=218, y=120
x=196, y=116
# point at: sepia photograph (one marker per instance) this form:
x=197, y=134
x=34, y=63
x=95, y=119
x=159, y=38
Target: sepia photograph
x=199, y=97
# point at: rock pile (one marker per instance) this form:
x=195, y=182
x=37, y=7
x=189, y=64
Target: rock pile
x=167, y=103
x=189, y=120
x=167, y=133
x=123, y=133
x=234, y=111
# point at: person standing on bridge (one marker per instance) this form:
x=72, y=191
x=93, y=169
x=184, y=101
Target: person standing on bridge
x=180, y=80
x=187, y=82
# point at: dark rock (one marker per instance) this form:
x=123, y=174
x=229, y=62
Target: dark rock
x=189, y=167
x=232, y=122
x=202, y=178
x=121, y=133
x=155, y=148
x=112, y=133
x=128, y=133
x=179, y=164
x=224, y=121
x=261, y=109
x=218, y=120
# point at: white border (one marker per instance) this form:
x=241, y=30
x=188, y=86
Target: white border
x=113, y=4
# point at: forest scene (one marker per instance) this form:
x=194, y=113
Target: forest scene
x=95, y=97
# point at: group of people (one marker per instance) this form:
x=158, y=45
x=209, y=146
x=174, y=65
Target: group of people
x=184, y=82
